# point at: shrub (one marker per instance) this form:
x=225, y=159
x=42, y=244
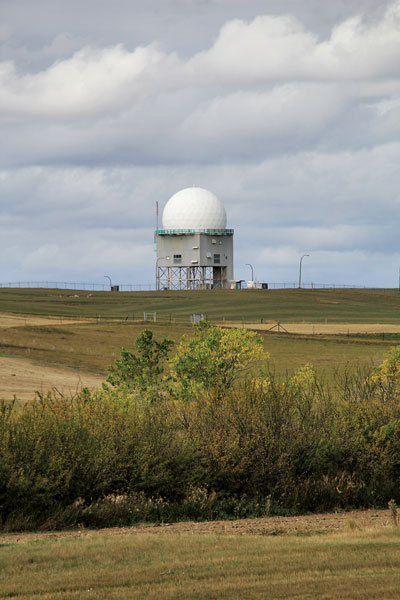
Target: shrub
x=262, y=445
x=141, y=373
x=213, y=359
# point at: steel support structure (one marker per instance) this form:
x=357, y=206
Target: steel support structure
x=191, y=278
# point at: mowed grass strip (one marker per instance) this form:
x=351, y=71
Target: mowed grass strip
x=295, y=305
x=348, y=565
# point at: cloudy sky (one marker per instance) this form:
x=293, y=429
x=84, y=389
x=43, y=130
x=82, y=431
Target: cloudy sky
x=288, y=111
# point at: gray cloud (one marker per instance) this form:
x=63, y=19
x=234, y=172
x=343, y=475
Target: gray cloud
x=289, y=113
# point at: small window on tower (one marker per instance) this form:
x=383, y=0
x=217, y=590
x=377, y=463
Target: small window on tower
x=217, y=259
x=177, y=259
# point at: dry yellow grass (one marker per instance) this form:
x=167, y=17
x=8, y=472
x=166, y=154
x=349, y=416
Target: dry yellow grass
x=22, y=377
x=319, y=328
x=11, y=320
x=349, y=565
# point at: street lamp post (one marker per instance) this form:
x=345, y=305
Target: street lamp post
x=301, y=260
x=252, y=272
x=157, y=278
x=109, y=279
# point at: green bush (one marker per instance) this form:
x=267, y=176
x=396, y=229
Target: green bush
x=264, y=446
x=141, y=372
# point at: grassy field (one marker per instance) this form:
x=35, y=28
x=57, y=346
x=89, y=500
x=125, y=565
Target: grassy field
x=349, y=564
x=352, y=306
x=77, y=338
x=345, y=565
x=93, y=347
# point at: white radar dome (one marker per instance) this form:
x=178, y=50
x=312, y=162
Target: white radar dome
x=194, y=208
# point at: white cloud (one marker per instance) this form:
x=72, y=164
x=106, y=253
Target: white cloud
x=91, y=83
x=297, y=132
x=278, y=47
x=97, y=81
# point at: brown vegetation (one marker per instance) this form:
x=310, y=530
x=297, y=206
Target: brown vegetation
x=267, y=526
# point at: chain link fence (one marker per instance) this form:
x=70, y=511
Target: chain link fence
x=146, y=287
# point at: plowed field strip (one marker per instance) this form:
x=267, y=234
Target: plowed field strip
x=269, y=526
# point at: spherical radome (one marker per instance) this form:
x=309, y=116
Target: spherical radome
x=194, y=208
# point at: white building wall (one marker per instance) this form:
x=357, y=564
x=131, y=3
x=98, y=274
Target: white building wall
x=198, y=249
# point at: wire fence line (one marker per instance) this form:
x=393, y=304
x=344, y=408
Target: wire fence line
x=146, y=287
x=78, y=285
x=312, y=286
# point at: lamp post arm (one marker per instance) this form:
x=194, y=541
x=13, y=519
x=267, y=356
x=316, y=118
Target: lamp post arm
x=301, y=260
x=252, y=272
x=157, y=277
x=109, y=279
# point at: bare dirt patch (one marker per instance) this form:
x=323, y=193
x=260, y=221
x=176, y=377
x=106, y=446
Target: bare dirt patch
x=319, y=328
x=268, y=526
x=23, y=377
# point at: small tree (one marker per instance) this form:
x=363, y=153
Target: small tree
x=213, y=359
x=140, y=372
x=385, y=379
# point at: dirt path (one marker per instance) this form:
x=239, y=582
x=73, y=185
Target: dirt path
x=319, y=328
x=23, y=377
x=270, y=526
x=10, y=320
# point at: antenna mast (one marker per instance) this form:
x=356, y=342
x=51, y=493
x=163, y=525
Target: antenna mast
x=156, y=215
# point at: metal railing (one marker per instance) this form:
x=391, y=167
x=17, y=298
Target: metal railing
x=192, y=231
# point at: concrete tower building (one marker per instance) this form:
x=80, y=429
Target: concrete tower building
x=194, y=248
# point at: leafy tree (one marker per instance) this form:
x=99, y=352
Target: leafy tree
x=385, y=379
x=213, y=358
x=143, y=371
